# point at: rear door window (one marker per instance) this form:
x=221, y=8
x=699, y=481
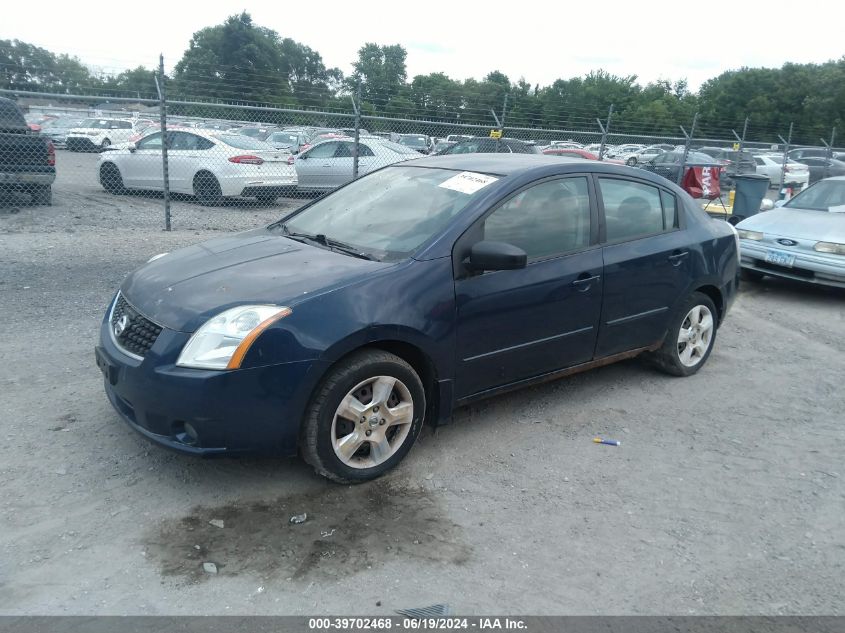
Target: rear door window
x=631, y=209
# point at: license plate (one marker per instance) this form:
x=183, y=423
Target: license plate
x=780, y=258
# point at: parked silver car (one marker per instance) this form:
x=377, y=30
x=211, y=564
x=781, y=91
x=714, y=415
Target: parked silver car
x=328, y=165
x=803, y=239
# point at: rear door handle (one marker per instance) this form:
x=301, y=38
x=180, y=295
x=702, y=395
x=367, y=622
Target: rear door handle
x=584, y=281
x=677, y=257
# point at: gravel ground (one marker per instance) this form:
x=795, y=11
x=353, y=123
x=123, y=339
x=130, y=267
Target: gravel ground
x=727, y=495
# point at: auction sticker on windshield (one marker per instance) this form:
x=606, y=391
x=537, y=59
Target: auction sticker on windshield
x=467, y=182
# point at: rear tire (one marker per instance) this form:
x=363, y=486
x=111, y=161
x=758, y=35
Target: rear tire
x=42, y=195
x=365, y=386
x=105, y=144
x=690, y=339
x=111, y=179
x=631, y=162
x=207, y=189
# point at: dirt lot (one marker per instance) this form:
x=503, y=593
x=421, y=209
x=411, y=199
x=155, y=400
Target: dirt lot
x=727, y=495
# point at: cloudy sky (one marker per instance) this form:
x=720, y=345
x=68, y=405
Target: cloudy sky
x=541, y=41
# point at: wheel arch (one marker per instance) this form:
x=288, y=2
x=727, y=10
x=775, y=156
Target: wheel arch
x=411, y=353
x=716, y=297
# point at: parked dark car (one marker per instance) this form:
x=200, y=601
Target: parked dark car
x=800, y=153
x=821, y=168
x=486, y=145
x=27, y=159
x=736, y=162
x=668, y=164
x=423, y=286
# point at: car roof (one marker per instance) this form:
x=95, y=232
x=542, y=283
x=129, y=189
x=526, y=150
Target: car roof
x=504, y=164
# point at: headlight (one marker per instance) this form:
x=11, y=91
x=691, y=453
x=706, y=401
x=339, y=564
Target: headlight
x=223, y=341
x=155, y=257
x=750, y=235
x=830, y=247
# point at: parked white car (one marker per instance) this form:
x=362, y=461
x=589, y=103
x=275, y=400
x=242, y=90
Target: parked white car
x=627, y=148
x=328, y=164
x=640, y=156
x=770, y=165
x=208, y=165
x=99, y=134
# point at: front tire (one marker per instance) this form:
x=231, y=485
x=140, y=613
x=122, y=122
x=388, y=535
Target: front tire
x=363, y=418
x=111, y=179
x=631, y=162
x=751, y=275
x=690, y=338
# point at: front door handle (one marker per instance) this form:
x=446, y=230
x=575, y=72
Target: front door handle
x=584, y=281
x=677, y=257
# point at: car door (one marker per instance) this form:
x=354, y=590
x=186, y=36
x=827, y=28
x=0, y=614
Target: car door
x=667, y=165
x=314, y=166
x=183, y=156
x=816, y=166
x=516, y=324
x=142, y=168
x=646, y=263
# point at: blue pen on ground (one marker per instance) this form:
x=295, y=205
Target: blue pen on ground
x=599, y=440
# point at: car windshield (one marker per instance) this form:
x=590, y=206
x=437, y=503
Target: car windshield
x=239, y=141
x=823, y=196
x=283, y=137
x=391, y=212
x=413, y=141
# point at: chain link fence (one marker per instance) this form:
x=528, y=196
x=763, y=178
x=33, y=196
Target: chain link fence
x=212, y=154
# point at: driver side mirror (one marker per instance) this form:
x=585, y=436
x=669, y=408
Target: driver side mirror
x=486, y=255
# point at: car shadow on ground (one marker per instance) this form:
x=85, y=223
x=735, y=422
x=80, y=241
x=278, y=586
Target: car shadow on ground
x=791, y=289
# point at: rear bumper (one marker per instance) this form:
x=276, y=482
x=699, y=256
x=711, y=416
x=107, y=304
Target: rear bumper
x=26, y=179
x=80, y=144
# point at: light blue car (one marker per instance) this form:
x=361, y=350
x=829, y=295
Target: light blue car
x=803, y=239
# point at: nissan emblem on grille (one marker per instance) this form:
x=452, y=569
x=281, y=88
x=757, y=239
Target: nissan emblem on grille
x=121, y=325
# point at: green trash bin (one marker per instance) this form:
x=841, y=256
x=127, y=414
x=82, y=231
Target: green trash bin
x=750, y=191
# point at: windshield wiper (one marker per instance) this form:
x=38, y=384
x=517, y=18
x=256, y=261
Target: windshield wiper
x=332, y=244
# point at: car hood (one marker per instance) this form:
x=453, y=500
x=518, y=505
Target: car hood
x=183, y=289
x=804, y=224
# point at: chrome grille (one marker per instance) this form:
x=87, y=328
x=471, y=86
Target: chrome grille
x=132, y=331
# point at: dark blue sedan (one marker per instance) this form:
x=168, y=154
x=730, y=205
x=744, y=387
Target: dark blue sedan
x=343, y=328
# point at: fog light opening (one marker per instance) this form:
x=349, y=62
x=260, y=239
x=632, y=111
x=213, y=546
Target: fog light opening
x=185, y=433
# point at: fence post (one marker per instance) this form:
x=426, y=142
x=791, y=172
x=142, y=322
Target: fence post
x=741, y=139
x=162, y=111
x=686, y=148
x=829, y=153
x=785, y=157
x=604, y=131
x=356, y=105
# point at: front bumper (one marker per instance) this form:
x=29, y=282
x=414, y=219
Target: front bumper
x=82, y=143
x=826, y=270
x=205, y=412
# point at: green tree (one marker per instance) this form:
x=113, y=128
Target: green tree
x=25, y=66
x=381, y=72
